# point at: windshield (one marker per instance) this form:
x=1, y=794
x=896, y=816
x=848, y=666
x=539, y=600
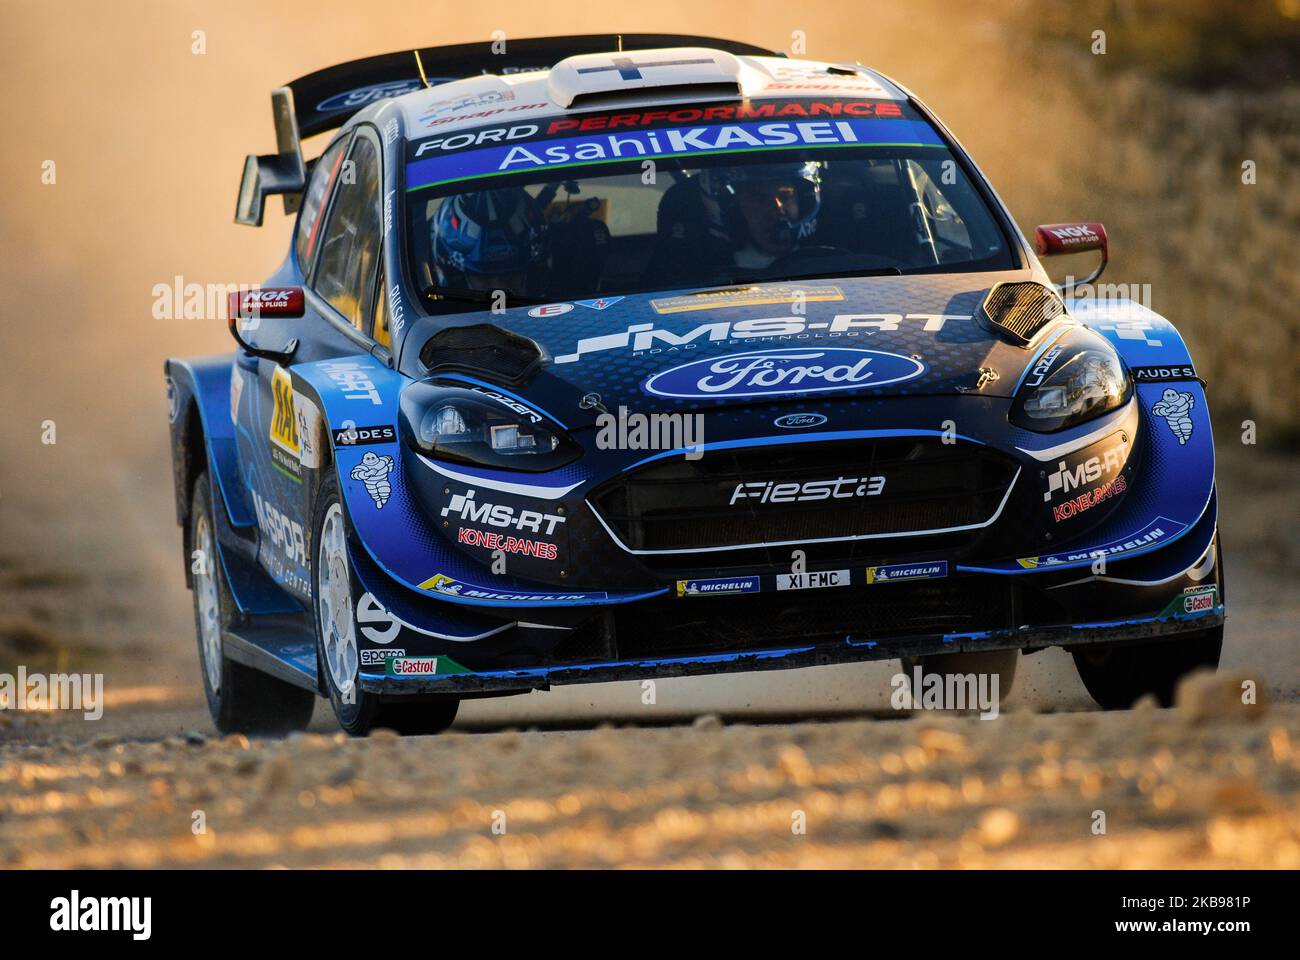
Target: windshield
x=550, y=218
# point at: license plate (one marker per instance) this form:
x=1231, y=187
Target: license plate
x=812, y=581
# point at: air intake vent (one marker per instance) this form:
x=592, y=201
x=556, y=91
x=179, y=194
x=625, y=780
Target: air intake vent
x=482, y=349
x=1020, y=310
x=686, y=91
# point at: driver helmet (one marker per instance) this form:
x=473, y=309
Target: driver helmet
x=486, y=234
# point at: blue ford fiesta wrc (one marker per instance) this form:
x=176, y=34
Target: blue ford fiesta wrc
x=652, y=356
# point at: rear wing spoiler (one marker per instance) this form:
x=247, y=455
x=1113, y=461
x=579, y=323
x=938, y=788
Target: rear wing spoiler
x=326, y=99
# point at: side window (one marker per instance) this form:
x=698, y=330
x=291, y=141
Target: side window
x=349, y=247
x=313, y=200
x=381, y=333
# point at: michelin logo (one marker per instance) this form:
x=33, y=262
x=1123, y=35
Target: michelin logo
x=700, y=588
x=373, y=471
x=1176, y=408
x=907, y=571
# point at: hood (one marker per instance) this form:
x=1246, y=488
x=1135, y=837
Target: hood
x=817, y=339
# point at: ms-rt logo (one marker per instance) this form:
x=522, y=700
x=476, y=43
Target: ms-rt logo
x=76, y=914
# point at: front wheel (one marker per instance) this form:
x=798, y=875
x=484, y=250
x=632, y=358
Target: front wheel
x=1117, y=676
x=240, y=699
x=337, y=654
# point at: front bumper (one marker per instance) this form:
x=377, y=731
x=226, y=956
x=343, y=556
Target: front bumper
x=1173, y=591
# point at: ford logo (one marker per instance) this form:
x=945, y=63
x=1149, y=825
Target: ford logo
x=799, y=421
x=763, y=373
x=364, y=96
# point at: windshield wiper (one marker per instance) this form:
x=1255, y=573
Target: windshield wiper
x=468, y=295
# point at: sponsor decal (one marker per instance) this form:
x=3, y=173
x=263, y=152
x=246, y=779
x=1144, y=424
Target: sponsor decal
x=411, y=666
x=647, y=119
x=1161, y=374
x=717, y=585
x=284, y=422
x=773, y=372
x=600, y=303
x=510, y=402
x=465, y=506
x=396, y=310
x=505, y=156
x=1090, y=498
x=1064, y=237
x=282, y=546
x=376, y=658
x=441, y=583
x=352, y=380
x=1194, y=600
x=1176, y=409
x=272, y=302
x=812, y=581
x=444, y=107
x=377, y=624
x=550, y=310
x=1147, y=537
x=746, y=297
x=373, y=471
x=841, y=488
x=491, y=540
x=686, y=114
x=647, y=338
x=365, y=435
x=1132, y=330
x=1043, y=367
x=311, y=432
x=364, y=96
x=1067, y=478
x=1069, y=509
x=799, y=421
x=907, y=571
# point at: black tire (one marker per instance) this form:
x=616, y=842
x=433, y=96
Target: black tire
x=1117, y=676
x=360, y=712
x=245, y=700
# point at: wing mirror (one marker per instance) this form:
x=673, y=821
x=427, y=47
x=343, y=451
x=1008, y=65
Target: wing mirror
x=246, y=308
x=1055, y=239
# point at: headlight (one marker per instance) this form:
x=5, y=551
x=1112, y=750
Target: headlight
x=481, y=427
x=1070, y=384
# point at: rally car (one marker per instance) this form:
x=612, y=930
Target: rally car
x=620, y=357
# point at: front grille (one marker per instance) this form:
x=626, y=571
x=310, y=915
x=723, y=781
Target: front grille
x=1021, y=309
x=686, y=505
x=694, y=626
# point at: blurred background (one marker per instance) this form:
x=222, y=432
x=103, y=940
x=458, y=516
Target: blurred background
x=146, y=108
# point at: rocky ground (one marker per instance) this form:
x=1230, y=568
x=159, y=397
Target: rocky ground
x=1210, y=783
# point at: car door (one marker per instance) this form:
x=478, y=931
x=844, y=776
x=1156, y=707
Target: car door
x=337, y=248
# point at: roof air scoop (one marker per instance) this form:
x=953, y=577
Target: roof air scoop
x=1019, y=310
x=599, y=78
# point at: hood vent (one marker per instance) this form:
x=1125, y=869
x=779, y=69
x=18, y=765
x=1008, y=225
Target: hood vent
x=483, y=349
x=1019, y=310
